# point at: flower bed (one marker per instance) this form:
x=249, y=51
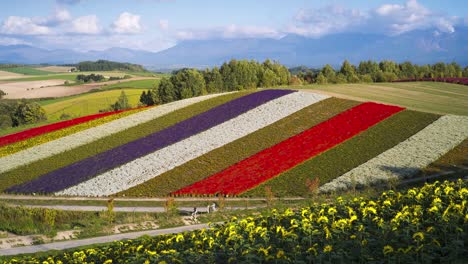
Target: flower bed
x=81, y=138
x=228, y=155
x=408, y=157
x=347, y=155
x=35, y=169
x=33, y=132
x=421, y=225
x=44, y=138
x=165, y=159
x=93, y=166
x=289, y=153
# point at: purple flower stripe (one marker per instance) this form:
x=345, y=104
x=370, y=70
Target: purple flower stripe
x=90, y=167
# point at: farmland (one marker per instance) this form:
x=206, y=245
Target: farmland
x=139, y=84
x=434, y=97
x=89, y=103
x=26, y=71
x=95, y=159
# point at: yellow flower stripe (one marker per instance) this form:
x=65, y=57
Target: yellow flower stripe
x=44, y=138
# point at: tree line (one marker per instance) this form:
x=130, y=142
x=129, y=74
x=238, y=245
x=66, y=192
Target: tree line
x=21, y=112
x=234, y=75
x=105, y=65
x=372, y=71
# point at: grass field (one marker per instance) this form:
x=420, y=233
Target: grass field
x=89, y=104
x=435, y=97
x=26, y=71
x=55, y=69
x=139, y=84
x=69, y=76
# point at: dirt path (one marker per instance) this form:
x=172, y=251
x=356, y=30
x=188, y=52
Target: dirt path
x=140, y=209
x=96, y=240
x=124, y=199
x=53, y=88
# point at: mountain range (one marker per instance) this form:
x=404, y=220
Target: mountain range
x=419, y=46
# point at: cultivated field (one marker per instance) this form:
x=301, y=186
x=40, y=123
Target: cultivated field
x=139, y=84
x=26, y=71
x=56, y=69
x=33, y=89
x=4, y=75
x=235, y=144
x=89, y=103
x=435, y=97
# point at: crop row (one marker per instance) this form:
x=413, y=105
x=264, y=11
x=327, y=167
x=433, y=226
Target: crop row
x=221, y=158
x=164, y=159
x=47, y=137
x=89, y=168
x=81, y=138
x=31, y=171
x=33, y=132
x=272, y=161
x=408, y=157
x=349, y=154
x=422, y=225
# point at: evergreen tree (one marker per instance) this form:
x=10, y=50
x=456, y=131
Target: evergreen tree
x=122, y=102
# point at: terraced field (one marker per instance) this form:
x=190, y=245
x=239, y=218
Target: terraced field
x=238, y=143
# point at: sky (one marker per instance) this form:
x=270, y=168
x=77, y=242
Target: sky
x=155, y=25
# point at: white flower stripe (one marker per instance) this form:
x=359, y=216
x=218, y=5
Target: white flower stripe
x=89, y=135
x=408, y=157
x=154, y=164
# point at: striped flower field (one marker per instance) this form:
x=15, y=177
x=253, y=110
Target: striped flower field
x=230, y=144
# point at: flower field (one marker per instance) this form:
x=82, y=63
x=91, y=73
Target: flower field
x=421, y=225
x=232, y=144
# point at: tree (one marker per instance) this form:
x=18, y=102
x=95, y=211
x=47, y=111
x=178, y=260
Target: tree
x=329, y=73
x=188, y=83
x=213, y=80
x=146, y=98
x=5, y=121
x=122, y=102
x=166, y=91
x=321, y=79
x=2, y=93
x=27, y=113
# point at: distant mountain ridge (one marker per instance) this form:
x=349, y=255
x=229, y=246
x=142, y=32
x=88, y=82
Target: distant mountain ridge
x=422, y=46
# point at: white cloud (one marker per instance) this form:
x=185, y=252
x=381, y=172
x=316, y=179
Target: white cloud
x=164, y=24
x=391, y=19
x=69, y=2
x=127, y=23
x=321, y=21
x=86, y=25
x=229, y=32
x=60, y=16
x=23, y=26
x=5, y=41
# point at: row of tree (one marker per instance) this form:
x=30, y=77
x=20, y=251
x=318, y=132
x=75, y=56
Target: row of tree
x=89, y=78
x=105, y=65
x=371, y=71
x=234, y=75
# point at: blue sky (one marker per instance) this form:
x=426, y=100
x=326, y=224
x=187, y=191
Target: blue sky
x=158, y=24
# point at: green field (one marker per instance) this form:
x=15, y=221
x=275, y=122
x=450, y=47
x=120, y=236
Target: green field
x=434, y=97
x=26, y=71
x=139, y=84
x=89, y=103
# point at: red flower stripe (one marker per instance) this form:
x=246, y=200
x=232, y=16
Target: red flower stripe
x=270, y=162
x=12, y=138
